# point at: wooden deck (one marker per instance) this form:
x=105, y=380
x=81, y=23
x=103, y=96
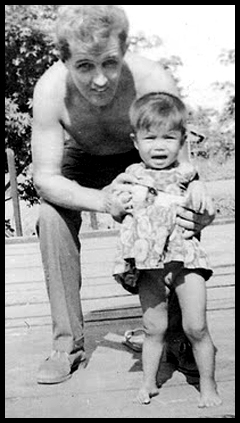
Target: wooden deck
x=102, y=298
x=108, y=385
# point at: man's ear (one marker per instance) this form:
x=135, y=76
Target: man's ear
x=126, y=46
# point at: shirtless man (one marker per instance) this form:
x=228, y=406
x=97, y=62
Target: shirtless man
x=80, y=143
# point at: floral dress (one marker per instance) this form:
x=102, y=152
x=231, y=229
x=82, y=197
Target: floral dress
x=149, y=237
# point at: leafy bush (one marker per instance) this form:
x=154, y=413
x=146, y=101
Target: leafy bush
x=29, y=51
x=9, y=231
x=17, y=133
x=218, y=127
x=218, y=132
x=27, y=190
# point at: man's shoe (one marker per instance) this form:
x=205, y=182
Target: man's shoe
x=59, y=367
x=179, y=352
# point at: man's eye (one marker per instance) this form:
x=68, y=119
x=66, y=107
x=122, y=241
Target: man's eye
x=85, y=67
x=111, y=63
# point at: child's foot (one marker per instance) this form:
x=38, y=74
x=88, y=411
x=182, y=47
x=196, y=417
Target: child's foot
x=210, y=398
x=144, y=395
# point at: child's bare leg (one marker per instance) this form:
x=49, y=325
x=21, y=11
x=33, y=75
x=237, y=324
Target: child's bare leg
x=152, y=294
x=191, y=291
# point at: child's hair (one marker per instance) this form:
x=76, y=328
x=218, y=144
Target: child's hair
x=158, y=110
x=90, y=25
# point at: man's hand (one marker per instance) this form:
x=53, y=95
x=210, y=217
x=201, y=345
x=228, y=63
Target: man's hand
x=118, y=196
x=193, y=222
x=197, y=196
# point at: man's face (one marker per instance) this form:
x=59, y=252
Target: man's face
x=96, y=74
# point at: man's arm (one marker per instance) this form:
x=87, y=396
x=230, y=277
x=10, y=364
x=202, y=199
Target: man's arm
x=47, y=153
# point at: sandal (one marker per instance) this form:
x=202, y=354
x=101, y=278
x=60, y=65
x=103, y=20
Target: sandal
x=133, y=339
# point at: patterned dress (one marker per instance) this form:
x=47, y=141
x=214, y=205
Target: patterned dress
x=149, y=237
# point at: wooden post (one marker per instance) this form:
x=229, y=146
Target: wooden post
x=14, y=192
x=94, y=221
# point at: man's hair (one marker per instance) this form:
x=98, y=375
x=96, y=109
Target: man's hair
x=158, y=110
x=91, y=26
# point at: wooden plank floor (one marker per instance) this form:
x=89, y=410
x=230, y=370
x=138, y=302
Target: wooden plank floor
x=102, y=298
x=106, y=388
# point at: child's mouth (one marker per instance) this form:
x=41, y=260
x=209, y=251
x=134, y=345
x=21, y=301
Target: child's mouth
x=160, y=157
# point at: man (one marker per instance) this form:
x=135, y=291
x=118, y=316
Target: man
x=80, y=143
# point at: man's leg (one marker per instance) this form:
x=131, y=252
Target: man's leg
x=60, y=250
x=178, y=346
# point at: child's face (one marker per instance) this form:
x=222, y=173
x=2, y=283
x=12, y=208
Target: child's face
x=158, y=147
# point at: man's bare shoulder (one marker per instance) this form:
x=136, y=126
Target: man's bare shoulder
x=52, y=83
x=149, y=75
x=49, y=93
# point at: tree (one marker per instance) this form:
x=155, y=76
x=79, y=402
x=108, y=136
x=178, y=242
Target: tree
x=226, y=121
x=218, y=127
x=140, y=42
x=227, y=57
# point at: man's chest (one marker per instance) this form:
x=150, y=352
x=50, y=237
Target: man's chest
x=99, y=131
x=101, y=136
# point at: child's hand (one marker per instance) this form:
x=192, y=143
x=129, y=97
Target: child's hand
x=125, y=198
x=197, y=196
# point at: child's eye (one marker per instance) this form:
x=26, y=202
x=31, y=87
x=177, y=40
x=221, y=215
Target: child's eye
x=171, y=139
x=150, y=137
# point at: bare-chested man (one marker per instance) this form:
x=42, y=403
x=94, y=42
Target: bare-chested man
x=80, y=147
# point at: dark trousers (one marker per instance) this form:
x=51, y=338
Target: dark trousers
x=60, y=249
